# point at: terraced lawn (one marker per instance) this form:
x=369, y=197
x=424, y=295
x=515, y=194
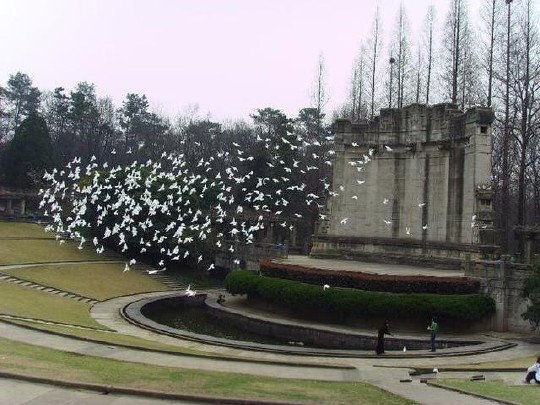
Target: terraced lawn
x=13, y=251
x=20, y=357
x=23, y=230
x=27, y=302
x=100, y=281
x=517, y=394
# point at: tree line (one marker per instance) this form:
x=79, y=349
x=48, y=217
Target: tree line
x=491, y=61
x=41, y=130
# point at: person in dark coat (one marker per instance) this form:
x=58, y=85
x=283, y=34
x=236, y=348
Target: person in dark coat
x=383, y=330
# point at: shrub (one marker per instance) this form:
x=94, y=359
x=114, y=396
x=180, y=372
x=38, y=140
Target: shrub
x=371, y=282
x=344, y=301
x=531, y=291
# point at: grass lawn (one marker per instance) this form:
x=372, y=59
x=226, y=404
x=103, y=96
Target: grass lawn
x=521, y=363
x=31, y=303
x=100, y=281
x=20, y=357
x=23, y=230
x=38, y=251
x=521, y=394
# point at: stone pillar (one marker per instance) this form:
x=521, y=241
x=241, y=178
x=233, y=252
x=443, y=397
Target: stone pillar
x=293, y=237
x=9, y=207
x=467, y=264
x=270, y=234
x=527, y=249
x=500, y=295
x=23, y=206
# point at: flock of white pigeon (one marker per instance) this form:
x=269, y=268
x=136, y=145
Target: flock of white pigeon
x=167, y=207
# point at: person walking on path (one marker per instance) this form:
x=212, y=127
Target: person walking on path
x=433, y=329
x=383, y=330
x=533, y=372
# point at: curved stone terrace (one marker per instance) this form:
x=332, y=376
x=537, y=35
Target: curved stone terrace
x=233, y=310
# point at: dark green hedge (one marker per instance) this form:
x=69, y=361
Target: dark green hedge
x=371, y=282
x=343, y=301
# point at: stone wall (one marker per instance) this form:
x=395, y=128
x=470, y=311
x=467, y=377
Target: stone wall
x=503, y=281
x=417, y=174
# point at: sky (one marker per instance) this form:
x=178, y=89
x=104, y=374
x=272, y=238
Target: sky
x=228, y=57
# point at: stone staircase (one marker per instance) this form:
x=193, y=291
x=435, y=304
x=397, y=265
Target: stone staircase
x=169, y=281
x=44, y=288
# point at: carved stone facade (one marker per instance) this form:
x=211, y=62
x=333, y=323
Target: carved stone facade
x=412, y=185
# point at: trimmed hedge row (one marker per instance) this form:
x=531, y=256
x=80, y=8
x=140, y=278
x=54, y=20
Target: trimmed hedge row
x=307, y=297
x=371, y=282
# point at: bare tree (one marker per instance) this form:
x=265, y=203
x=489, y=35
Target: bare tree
x=525, y=84
x=402, y=51
x=452, y=52
x=319, y=96
x=460, y=76
x=428, y=46
x=374, y=45
x=418, y=75
x=357, y=100
x=505, y=168
x=489, y=12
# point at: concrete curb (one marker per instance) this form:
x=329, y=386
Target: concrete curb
x=111, y=389
x=428, y=370
x=472, y=394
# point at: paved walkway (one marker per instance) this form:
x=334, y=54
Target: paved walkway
x=14, y=392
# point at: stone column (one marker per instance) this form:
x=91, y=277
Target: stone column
x=293, y=237
x=9, y=207
x=501, y=296
x=23, y=206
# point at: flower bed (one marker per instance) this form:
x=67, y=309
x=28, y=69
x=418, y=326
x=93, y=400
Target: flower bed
x=370, y=282
x=344, y=301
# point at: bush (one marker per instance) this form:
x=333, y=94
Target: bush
x=371, y=282
x=531, y=291
x=343, y=301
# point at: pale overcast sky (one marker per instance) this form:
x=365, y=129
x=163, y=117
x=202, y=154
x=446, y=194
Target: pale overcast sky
x=228, y=56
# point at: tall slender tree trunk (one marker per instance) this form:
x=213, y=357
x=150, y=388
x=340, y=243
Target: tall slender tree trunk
x=524, y=127
x=457, y=50
x=430, y=19
x=505, y=192
x=491, y=47
x=400, y=60
x=418, y=78
x=374, y=65
x=353, y=93
x=430, y=56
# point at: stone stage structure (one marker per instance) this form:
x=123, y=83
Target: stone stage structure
x=413, y=186
x=13, y=202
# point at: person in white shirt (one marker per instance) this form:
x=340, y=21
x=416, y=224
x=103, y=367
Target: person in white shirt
x=533, y=373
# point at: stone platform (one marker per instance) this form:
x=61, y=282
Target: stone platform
x=367, y=267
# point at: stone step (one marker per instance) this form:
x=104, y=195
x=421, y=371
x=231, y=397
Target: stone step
x=43, y=288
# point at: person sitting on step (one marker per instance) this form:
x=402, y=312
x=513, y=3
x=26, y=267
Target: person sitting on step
x=533, y=372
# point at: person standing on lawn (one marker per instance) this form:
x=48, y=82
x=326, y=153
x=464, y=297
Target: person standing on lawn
x=433, y=329
x=533, y=372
